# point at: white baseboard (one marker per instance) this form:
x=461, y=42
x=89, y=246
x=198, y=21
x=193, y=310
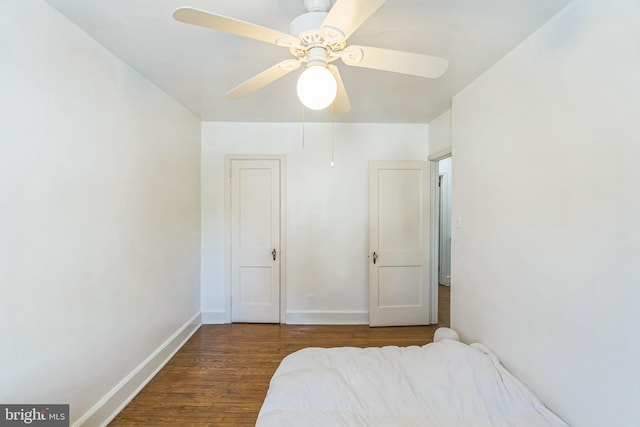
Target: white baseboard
x=109, y=406
x=214, y=318
x=305, y=317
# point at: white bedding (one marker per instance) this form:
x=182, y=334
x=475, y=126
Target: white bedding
x=442, y=384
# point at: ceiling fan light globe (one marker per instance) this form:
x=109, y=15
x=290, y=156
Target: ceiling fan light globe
x=317, y=87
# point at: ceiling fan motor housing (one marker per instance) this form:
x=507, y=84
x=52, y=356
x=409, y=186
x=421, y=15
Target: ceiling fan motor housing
x=317, y=10
x=317, y=5
x=306, y=22
x=312, y=35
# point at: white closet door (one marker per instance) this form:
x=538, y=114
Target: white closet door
x=398, y=244
x=255, y=241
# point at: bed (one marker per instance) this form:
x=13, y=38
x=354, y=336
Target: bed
x=442, y=384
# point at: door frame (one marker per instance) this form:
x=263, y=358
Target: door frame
x=434, y=226
x=228, y=158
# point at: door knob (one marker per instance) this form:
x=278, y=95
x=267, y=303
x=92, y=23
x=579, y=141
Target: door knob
x=273, y=253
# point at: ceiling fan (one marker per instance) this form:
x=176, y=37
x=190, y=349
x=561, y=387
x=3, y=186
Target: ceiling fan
x=318, y=38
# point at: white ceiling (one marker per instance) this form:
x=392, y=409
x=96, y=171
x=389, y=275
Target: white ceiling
x=198, y=66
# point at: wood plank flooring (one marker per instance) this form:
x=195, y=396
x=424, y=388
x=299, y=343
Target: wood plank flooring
x=221, y=375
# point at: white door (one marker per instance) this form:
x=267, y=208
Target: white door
x=399, y=196
x=255, y=241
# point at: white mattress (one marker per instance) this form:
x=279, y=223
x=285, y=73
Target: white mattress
x=442, y=384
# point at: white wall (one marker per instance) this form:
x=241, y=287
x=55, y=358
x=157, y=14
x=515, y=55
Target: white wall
x=99, y=213
x=326, y=214
x=440, y=135
x=547, y=183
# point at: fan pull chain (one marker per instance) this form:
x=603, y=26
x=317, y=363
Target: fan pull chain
x=332, y=163
x=303, y=126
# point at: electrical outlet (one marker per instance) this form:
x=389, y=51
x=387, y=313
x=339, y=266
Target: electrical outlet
x=311, y=299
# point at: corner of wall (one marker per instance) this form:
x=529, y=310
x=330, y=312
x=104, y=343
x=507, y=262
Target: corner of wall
x=440, y=136
x=115, y=400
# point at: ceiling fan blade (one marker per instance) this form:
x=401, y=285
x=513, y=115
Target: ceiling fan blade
x=395, y=60
x=234, y=26
x=341, y=104
x=349, y=15
x=262, y=79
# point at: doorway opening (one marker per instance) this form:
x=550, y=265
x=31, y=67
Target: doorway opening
x=444, y=240
x=441, y=237
x=444, y=226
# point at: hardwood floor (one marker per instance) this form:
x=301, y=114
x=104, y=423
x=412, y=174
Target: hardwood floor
x=444, y=305
x=221, y=375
